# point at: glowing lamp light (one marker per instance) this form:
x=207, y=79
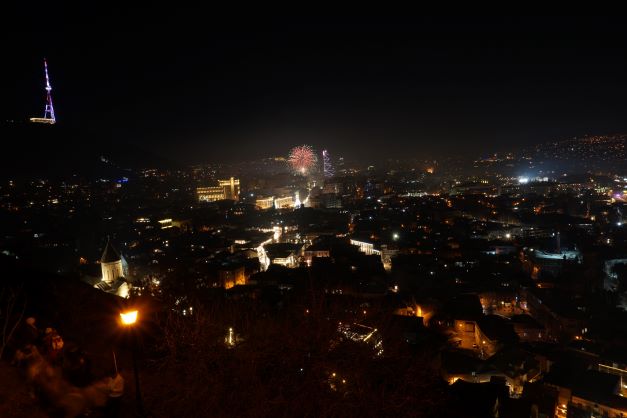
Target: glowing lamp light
x=128, y=318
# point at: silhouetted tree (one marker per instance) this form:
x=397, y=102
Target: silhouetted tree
x=284, y=366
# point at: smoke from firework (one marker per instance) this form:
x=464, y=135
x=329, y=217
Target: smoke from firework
x=302, y=159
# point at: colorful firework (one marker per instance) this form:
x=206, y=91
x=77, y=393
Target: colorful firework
x=302, y=159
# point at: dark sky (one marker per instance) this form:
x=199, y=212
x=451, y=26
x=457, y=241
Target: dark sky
x=225, y=89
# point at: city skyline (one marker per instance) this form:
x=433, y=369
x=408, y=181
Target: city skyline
x=314, y=216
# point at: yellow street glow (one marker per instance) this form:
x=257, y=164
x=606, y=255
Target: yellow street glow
x=129, y=318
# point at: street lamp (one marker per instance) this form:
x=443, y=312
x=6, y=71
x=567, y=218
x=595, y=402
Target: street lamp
x=128, y=320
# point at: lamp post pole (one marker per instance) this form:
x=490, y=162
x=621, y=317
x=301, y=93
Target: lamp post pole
x=138, y=393
x=129, y=319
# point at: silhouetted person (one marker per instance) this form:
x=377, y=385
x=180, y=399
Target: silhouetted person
x=76, y=366
x=53, y=345
x=26, y=334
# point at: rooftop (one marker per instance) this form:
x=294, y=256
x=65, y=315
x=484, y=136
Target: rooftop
x=109, y=254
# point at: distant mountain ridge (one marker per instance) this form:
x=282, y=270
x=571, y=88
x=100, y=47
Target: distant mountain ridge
x=32, y=150
x=584, y=147
x=590, y=152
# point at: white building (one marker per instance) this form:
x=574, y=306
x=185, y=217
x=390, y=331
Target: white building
x=114, y=272
x=111, y=264
x=366, y=247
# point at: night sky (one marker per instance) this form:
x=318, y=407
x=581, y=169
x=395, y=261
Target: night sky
x=224, y=89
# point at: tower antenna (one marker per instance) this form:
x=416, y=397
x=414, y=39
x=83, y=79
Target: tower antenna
x=49, y=117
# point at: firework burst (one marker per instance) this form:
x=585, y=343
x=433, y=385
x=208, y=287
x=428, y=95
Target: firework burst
x=302, y=159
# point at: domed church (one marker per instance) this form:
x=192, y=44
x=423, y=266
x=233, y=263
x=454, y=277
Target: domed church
x=114, y=272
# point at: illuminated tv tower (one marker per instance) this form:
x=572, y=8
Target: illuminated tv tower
x=326, y=164
x=49, y=111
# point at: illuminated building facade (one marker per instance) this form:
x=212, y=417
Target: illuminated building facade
x=265, y=203
x=232, y=276
x=226, y=190
x=114, y=270
x=284, y=254
x=210, y=194
x=284, y=202
x=277, y=203
x=316, y=250
x=230, y=187
x=111, y=264
x=366, y=247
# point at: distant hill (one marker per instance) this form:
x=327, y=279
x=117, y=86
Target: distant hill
x=590, y=153
x=593, y=152
x=33, y=150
